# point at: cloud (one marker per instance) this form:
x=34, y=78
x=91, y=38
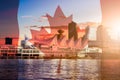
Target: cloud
x=27, y=16
x=43, y=17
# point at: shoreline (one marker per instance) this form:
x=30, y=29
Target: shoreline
x=13, y=57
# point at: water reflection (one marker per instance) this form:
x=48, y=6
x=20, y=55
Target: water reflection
x=8, y=69
x=110, y=69
x=50, y=69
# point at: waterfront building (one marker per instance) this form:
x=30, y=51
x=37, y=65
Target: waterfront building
x=40, y=34
x=63, y=42
x=63, y=33
x=78, y=43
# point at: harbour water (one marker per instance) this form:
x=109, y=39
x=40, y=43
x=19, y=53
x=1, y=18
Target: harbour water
x=50, y=69
x=110, y=69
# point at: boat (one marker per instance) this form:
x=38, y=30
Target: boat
x=31, y=53
x=81, y=53
x=19, y=52
x=93, y=52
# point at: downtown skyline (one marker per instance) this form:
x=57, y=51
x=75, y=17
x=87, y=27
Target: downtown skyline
x=31, y=13
x=82, y=11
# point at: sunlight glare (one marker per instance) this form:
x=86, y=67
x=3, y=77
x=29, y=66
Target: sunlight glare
x=115, y=30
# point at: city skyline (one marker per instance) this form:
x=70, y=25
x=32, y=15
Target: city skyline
x=82, y=11
x=59, y=39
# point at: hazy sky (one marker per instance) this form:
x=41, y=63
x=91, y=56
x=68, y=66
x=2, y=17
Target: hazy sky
x=8, y=18
x=30, y=11
x=111, y=17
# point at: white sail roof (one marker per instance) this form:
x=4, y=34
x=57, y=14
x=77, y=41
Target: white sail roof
x=71, y=43
x=78, y=44
x=62, y=42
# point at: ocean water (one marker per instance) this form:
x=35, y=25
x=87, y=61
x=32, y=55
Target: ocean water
x=50, y=69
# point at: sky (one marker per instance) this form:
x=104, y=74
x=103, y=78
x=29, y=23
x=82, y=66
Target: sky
x=30, y=12
x=111, y=17
x=8, y=18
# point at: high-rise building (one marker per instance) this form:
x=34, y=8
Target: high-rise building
x=72, y=31
x=86, y=36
